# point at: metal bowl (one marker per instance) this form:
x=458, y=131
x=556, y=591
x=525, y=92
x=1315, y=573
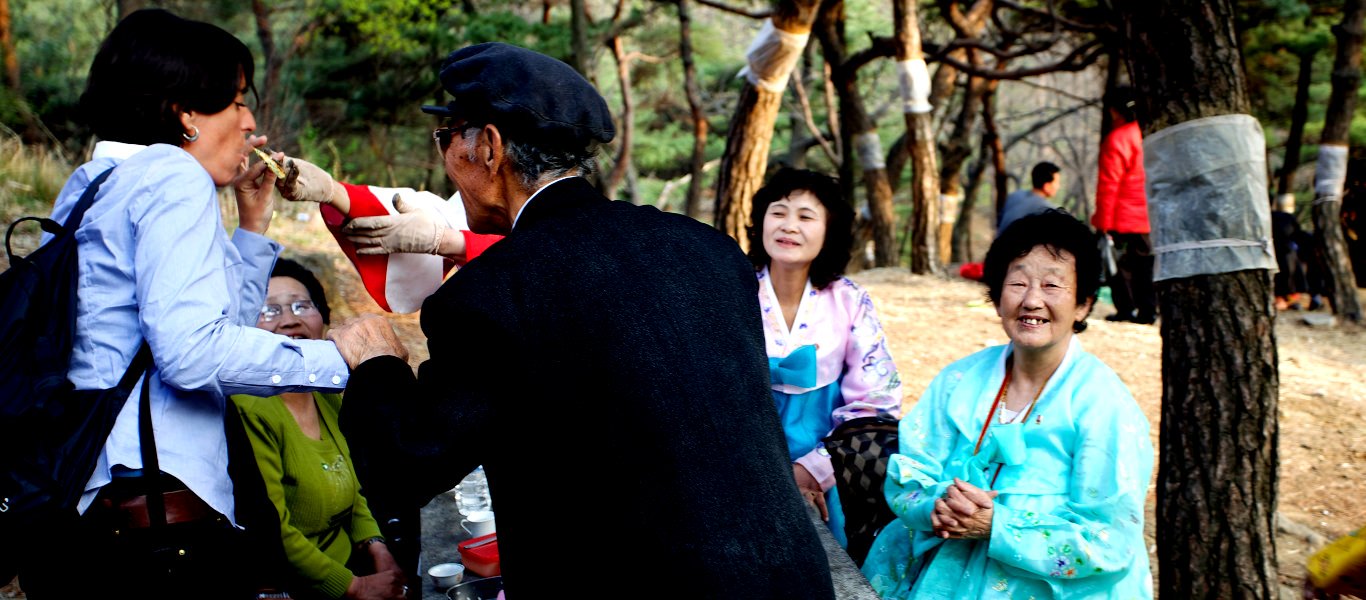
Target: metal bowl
x=478, y=589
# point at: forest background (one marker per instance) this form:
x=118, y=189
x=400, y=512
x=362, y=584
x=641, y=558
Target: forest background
x=340, y=81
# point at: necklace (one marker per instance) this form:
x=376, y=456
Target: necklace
x=1000, y=403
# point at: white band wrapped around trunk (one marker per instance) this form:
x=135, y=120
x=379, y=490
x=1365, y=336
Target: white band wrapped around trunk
x=1330, y=173
x=869, y=147
x=772, y=56
x=948, y=207
x=915, y=86
x=1207, y=197
x=1286, y=203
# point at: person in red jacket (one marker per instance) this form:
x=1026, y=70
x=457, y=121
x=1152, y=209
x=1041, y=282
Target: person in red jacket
x=1122, y=211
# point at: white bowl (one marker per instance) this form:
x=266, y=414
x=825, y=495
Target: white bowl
x=446, y=575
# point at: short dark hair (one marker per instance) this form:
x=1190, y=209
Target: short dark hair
x=830, y=262
x=155, y=65
x=1123, y=99
x=285, y=267
x=1043, y=173
x=1057, y=232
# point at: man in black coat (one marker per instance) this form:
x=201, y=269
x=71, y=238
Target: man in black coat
x=605, y=363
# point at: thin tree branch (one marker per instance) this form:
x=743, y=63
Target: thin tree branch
x=1055, y=90
x=1049, y=14
x=807, y=117
x=759, y=13
x=964, y=24
x=1080, y=58
x=1027, y=50
x=882, y=47
x=1035, y=128
x=620, y=26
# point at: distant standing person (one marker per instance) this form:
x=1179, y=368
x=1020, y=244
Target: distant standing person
x=1046, y=179
x=604, y=362
x=1122, y=211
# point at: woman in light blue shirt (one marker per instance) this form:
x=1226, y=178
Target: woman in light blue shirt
x=168, y=98
x=1022, y=470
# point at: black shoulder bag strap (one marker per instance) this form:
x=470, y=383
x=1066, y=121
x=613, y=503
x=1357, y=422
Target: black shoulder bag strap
x=73, y=220
x=151, y=468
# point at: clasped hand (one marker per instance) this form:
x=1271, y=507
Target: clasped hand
x=963, y=512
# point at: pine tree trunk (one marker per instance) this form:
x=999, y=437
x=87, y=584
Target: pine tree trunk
x=919, y=142
x=1216, y=483
x=11, y=59
x=746, y=157
x=272, y=63
x=992, y=138
x=622, y=164
x=1336, y=125
x=692, y=206
x=1298, y=116
x=578, y=38
x=854, y=121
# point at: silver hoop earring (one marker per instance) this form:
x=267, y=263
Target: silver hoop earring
x=191, y=138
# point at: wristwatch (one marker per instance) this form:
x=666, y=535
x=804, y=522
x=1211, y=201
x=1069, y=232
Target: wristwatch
x=365, y=543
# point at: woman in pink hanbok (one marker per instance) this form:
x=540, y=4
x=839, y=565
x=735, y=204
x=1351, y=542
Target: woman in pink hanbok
x=828, y=356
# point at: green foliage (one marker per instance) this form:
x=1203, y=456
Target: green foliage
x=55, y=42
x=1275, y=34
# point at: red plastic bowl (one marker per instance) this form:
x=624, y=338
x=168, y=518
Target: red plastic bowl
x=482, y=560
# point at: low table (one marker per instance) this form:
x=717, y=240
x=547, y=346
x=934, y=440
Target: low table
x=441, y=532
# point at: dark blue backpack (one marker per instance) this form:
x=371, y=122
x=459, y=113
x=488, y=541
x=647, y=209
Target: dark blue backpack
x=50, y=434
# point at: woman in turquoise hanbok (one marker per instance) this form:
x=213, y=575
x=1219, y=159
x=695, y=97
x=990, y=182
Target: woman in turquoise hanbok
x=1023, y=469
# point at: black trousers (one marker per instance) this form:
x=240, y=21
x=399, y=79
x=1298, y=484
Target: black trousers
x=96, y=554
x=1132, y=288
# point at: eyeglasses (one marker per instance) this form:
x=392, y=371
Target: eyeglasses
x=443, y=137
x=270, y=312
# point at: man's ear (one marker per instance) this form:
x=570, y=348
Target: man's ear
x=489, y=150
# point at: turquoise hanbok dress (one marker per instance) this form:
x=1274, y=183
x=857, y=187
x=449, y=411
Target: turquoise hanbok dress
x=1073, y=476
x=832, y=366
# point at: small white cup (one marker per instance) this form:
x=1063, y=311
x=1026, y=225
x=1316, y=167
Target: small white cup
x=478, y=523
x=446, y=575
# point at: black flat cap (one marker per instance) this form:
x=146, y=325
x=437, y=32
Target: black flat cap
x=528, y=95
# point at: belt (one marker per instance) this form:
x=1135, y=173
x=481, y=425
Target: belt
x=182, y=506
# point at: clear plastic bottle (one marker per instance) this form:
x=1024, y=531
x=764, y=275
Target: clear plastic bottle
x=473, y=492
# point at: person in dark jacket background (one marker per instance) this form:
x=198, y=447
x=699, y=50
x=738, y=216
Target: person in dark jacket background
x=605, y=363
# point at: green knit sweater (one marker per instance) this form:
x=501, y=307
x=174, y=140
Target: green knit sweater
x=313, y=486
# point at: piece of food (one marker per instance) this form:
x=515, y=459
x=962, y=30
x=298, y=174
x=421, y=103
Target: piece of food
x=270, y=163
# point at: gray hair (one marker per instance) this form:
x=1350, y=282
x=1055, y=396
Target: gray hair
x=535, y=165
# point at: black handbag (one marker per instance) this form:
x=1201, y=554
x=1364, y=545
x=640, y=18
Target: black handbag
x=53, y=450
x=859, y=450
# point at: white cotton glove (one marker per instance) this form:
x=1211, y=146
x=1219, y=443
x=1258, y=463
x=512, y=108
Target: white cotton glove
x=412, y=230
x=306, y=182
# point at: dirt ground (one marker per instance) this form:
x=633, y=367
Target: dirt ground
x=932, y=321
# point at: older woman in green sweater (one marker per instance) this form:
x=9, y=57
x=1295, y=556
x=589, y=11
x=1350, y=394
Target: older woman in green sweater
x=325, y=523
